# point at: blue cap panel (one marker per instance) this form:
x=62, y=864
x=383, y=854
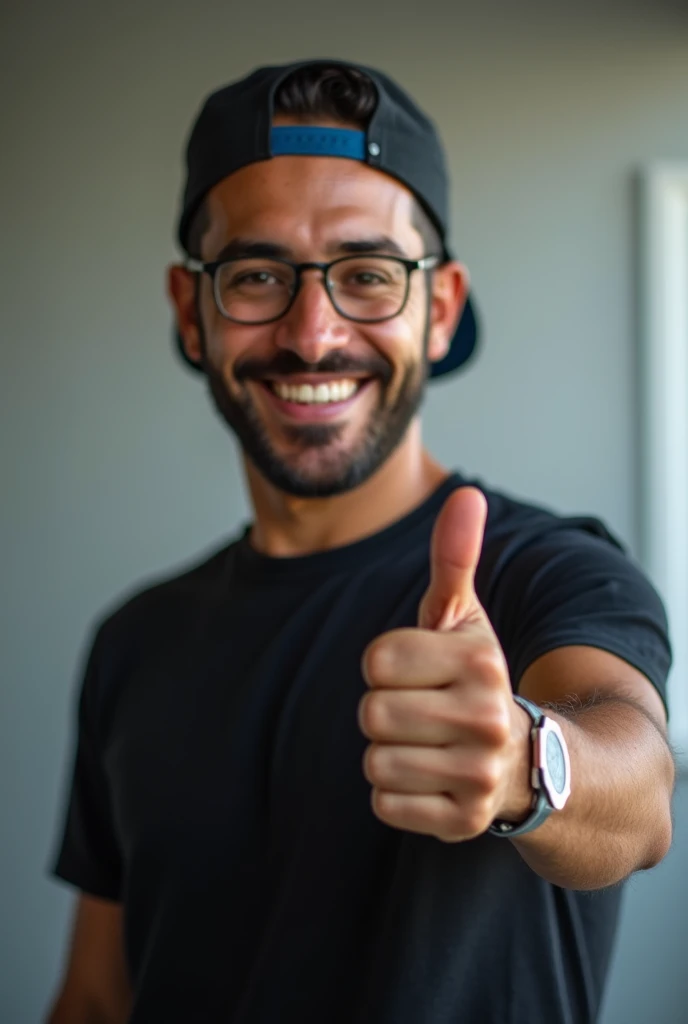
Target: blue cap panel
x=308, y=140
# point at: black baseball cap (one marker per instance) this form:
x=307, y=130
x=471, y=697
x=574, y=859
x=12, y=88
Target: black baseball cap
x=234, y=128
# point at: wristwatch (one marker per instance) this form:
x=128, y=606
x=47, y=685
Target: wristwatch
x=550, y=774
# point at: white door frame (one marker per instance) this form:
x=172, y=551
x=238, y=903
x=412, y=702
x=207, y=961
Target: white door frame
x=664, y=409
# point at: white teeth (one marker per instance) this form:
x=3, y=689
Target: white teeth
x=306, y=394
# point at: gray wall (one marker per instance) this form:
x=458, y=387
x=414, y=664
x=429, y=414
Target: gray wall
x=112, y=466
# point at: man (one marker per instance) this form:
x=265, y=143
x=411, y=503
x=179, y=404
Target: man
x=362, y=764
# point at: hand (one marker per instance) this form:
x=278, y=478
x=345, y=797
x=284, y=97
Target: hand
x=449, y=750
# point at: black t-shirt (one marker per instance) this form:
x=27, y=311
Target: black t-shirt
x=218, y=790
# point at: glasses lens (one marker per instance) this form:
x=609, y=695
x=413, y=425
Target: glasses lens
x=369, y=287
x=254, y=290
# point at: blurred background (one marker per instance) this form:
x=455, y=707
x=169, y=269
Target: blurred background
x=113, y=468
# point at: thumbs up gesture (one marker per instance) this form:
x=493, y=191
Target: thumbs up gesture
x=449, y=746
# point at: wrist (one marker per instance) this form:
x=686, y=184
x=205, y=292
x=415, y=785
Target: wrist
x=550, y=773
x=518, y=800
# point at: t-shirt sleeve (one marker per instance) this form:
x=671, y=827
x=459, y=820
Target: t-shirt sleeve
x=88, y=853
x=575, y=587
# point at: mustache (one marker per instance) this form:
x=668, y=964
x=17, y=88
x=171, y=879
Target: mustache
x=287, y=362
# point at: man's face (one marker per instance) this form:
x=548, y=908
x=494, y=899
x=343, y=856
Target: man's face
x=315, y=209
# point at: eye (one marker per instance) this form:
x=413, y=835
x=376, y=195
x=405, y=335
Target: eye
x=366, y=277
x=255, y=277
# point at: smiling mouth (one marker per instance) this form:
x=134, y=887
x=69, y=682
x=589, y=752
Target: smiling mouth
x=326, y=392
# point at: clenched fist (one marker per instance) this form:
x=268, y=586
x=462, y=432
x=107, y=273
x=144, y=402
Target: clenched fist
x=449, y=746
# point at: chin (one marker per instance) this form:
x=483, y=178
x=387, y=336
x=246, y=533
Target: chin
x=319, y=460
x=317, y=474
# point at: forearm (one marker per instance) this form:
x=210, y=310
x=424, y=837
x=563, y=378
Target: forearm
x=81, y=1011
x=618, y=817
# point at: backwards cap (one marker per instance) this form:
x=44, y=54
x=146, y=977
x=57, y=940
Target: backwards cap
x=234, y=128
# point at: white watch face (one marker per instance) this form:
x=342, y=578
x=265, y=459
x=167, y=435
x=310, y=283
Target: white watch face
x=552, y=759
x=556, y=764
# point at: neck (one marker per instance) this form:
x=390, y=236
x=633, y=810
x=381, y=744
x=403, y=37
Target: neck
x=288, y=526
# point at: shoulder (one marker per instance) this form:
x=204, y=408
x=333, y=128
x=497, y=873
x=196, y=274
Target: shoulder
x=159, y=615
x=549, y=580
x=513, y=524
x=531, y=547
x=521, y=536
x=201, y=582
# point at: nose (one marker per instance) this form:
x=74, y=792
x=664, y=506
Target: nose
x=312, y=327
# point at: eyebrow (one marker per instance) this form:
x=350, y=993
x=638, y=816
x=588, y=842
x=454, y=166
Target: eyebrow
x=241, y=248
x=379, y=244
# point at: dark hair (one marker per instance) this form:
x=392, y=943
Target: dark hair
x=341, y=94
x=318, y=90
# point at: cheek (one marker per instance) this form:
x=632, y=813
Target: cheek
x=229, y=344
x=401, y=340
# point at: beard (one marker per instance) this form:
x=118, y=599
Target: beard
x=320, y=463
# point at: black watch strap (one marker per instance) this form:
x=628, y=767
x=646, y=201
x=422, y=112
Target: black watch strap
x=541, y=807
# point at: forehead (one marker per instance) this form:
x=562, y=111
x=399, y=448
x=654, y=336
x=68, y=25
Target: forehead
x=306, y=201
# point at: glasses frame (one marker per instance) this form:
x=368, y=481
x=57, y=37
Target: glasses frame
x=211, y=268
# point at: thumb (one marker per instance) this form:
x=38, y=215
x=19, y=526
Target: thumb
x=457, y=540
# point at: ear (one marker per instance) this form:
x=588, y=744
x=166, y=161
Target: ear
x=450, y=286
x=181, y=291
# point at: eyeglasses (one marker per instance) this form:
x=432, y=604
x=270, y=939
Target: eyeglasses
x=367, y=289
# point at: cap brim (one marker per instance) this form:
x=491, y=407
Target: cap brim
x=462, y=349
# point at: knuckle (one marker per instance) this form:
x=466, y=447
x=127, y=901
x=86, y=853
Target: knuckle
x=383, y=803
x=488, y=775
x=370, y=765
x=380, y=661
x=375, y=764
x=457, y=824
x=476, y=821
x=374, y=716
x=496, y=725
x=470, y=818
x=487, y=663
